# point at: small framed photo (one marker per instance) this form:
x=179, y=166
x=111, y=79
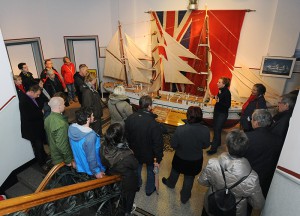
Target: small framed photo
x=277, y=66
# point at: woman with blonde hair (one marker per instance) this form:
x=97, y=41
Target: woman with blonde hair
x=119, y=106
x=91, y=98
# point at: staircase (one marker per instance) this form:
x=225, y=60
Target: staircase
x=28, y=181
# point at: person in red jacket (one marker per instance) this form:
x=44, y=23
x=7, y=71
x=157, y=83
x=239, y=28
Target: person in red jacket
x=67, y=72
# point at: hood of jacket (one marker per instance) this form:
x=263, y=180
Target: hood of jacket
x=114, y=99
x=114, y=154
x=77, y=132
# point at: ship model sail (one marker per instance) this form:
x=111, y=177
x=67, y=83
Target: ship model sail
x=124, y=62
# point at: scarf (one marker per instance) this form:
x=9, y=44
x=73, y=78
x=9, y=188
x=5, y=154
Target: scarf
x=250, y=99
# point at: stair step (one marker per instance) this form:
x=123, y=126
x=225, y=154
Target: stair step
x=31, y=178
x=18, y=189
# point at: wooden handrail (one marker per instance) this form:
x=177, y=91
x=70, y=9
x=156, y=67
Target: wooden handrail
x=49, y=176
x=28, y=201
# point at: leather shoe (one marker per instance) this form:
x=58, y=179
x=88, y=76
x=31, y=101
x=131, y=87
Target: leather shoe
x=149, y=194
x=165, y=182
x=212, y=151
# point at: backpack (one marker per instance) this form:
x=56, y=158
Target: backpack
x=222, y=202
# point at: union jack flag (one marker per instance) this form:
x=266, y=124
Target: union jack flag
x=190, y=28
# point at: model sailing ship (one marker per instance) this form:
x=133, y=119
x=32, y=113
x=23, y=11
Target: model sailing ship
x=125, y=63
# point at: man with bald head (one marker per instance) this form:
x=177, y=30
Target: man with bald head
x=56, y=126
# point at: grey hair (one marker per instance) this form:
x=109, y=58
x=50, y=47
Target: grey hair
x=289, y=99
x=55, y=102
x=119, y=90
x=237, y=143
x=263, y=117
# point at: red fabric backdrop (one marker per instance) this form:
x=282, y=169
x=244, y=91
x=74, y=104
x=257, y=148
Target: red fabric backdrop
x=224, y=32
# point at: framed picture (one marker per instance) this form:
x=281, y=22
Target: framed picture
x=277, y=66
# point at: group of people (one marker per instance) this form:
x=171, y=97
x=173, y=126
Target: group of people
x=42, y=103
x=253, y=151
x=136, y=138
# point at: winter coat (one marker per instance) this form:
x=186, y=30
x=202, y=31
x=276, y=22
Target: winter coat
x=119, y=108
x=56, y=126
x=263, y=154
x=67, y=72
x=224, y=101
x=120, y=161
x=91, y=98
x=246, y=116
x=144, y=136
x=78, y=83
x=235, y=169
x=188, y=142
x=32, y=121
x=53, y=86
x=85, y=144
x=280, y=124
x=44, y=77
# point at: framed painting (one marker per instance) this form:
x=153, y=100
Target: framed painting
x=277, y=66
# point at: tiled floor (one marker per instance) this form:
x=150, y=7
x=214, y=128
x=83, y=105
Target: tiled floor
x=167, y=202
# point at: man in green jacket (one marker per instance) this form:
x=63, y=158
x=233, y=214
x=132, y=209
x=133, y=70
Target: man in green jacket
x=56, y=126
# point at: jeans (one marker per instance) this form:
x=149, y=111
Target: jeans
x=71, y=91
x=150, y=184
x=187, y=186
x=219, y=120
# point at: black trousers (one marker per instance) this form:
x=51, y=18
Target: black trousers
x=39, y=151
x=128, y=200
x=187, y=186
x=219, y=121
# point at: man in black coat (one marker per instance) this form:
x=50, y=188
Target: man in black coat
x=264, y=148
x=145, y=138
x=32, y=123
x=281, y=120
x=79, y=80
x=27, y=77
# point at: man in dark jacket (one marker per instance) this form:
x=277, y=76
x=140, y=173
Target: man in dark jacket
x=281, y=120
x=27, y=77
x=144, y=135
x=264, y=148
x=32, y=123
x=79, y=80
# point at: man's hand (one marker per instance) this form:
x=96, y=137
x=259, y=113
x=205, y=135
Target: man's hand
x=73, y=164
x=100, y=175
x=156, y=165
x=66, y=90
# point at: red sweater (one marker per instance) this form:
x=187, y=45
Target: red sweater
x=68, y=71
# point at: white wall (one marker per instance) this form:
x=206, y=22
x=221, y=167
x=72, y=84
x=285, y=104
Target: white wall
x=14, y=151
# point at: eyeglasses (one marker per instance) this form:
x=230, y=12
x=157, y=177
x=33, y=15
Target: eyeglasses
x=280, y=102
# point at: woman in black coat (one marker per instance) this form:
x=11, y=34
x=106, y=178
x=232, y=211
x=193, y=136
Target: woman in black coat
x=220, y=112
x=119, y=160
x=91, y=99
x=188, y=142
x=255, y=101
